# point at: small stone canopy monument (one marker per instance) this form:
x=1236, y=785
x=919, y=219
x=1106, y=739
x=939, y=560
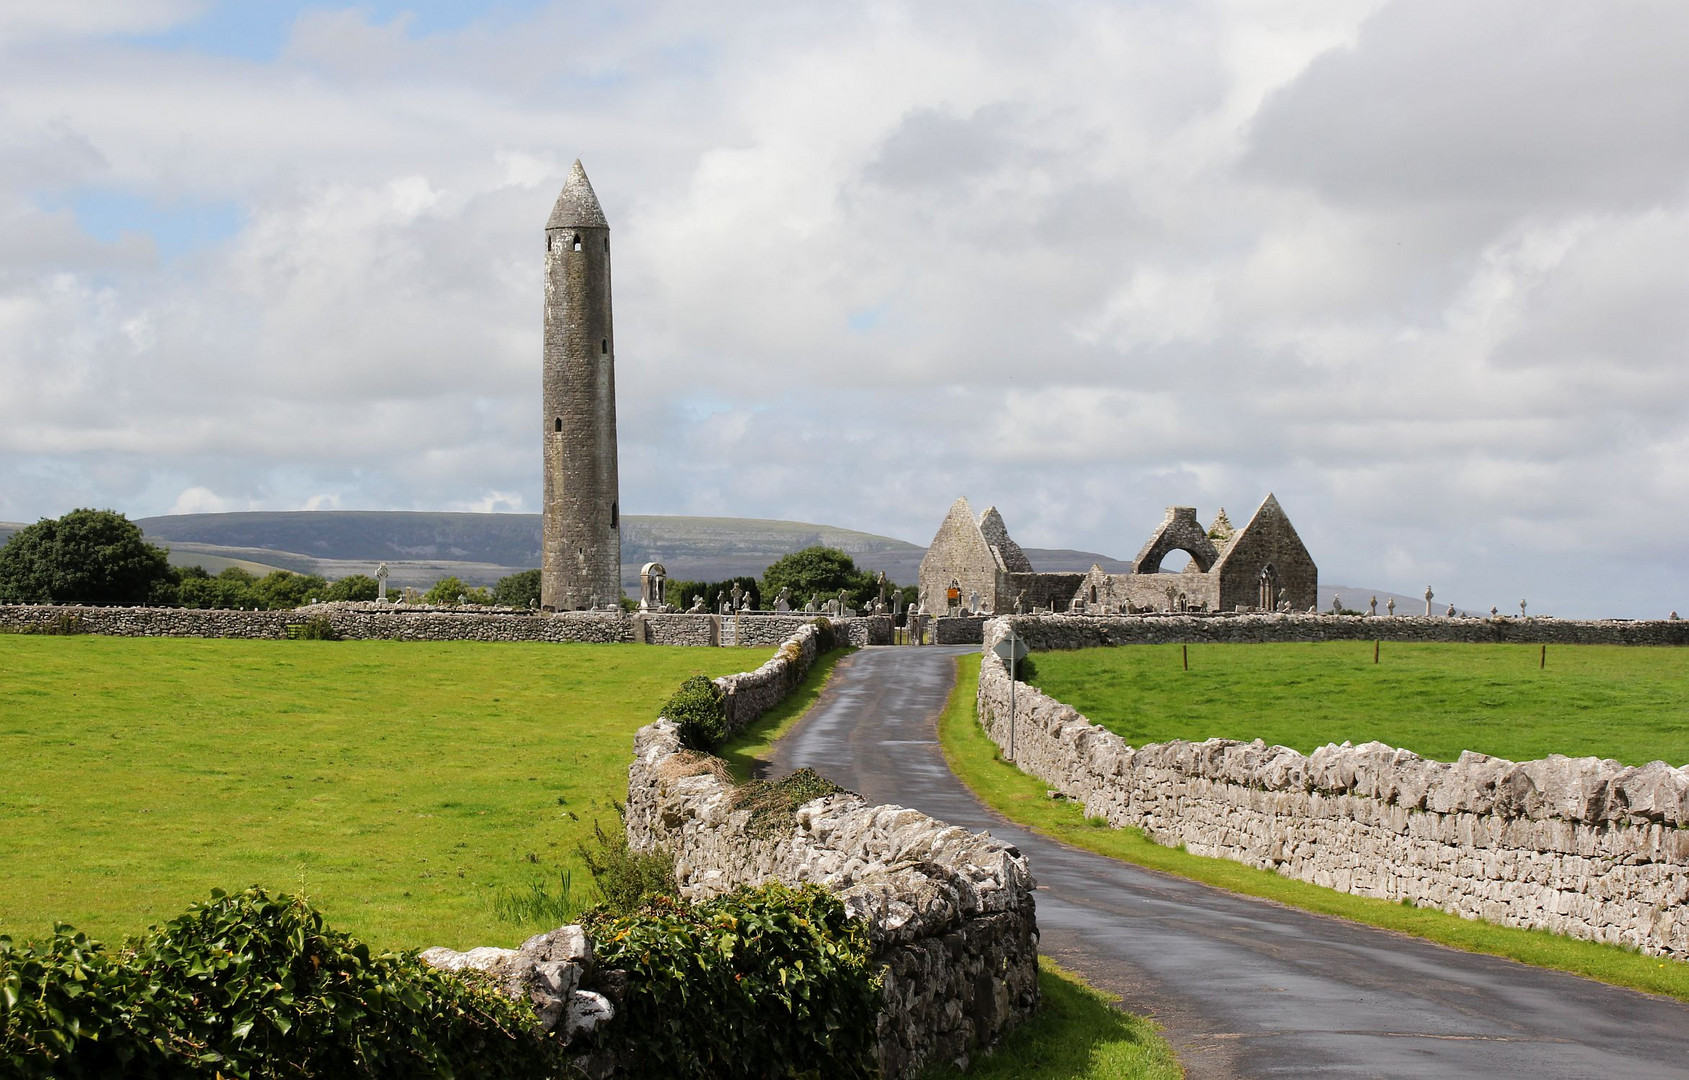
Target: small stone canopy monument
x=381, y=573
x=652, y=577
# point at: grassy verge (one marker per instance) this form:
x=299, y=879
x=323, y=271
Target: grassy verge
x=1434, y=699
x=1023, y=799
x=1077, y=1034
x=423, y=793
x=751, y=746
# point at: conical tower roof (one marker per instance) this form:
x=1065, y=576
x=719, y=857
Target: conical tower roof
x=577, y=204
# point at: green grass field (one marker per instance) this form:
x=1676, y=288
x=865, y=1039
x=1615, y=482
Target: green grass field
x=1024, y=799
x=414, y=789
x=1631, y=704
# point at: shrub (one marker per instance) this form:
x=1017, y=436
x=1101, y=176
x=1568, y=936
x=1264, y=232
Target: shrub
x=826, y=638
x=60, y=625
x=317, y=628
x=775, y=981
x=253, y=986
x=84, y=557
x=700, y=711
x=627, y=878
x=518, y=590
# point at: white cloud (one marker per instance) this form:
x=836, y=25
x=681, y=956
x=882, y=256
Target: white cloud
x=1415, y=267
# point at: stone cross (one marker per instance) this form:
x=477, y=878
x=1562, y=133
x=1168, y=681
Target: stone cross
x=1372, y=608
x=381, y=583
x=1521, y=609
x=1451, y=611
x=813, y=605
x=1390, y=607
x=1494, y=611
x=842, y=596
x=881, y=582
x=973, y=602
x=783, y=602
x=1336, y=604
x=1428, y=595
x=738, y=594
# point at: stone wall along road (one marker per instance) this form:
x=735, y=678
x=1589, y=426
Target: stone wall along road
x=1578, y=846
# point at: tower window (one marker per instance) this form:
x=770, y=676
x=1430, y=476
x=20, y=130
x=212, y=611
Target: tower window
x=559, y=423
x=615, y=514
x=577, y=242
x=604, y=346
x=606, y=243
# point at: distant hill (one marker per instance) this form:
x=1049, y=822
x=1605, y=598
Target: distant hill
x=421, y=547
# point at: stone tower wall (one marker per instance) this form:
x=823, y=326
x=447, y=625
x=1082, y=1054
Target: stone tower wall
x=581, y=534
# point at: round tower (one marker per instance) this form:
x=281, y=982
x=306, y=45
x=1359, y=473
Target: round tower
x=581, y=534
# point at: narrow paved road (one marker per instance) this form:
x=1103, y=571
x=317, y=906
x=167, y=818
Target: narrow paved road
x=1243, y=987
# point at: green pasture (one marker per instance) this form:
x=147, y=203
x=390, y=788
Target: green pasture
x=421, y=793
x=1627, y=703
x=1025, y=799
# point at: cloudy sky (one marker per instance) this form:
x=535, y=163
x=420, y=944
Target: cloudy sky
x=1420, y=268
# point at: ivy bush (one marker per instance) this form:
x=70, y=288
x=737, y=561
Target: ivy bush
x=770, y=982
x=699, y=710
x=253, y=986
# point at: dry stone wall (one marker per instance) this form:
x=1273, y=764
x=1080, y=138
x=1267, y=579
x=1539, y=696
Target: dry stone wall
x=1579, y=846
x=1044, y=632
x=950, y=912
x=418, y=623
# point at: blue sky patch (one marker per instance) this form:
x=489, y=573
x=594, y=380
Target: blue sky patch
x=177, y=226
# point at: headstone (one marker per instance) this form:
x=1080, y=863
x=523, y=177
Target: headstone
x=1020, y=602
x=881, y=582
x=1450, y=612
x=1521, y=609
x=813, y=605
x=843, y=599
x=783, y=602
x=1372, y=608
x=697, y=607
x=1494, y=611
x=1336, y=604
x=1673, y=616
x=738, y=595
x=381, y=573
x=973, y=602
x=1390, y=607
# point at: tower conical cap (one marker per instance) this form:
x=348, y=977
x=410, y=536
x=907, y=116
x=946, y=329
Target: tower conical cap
x=577, y=204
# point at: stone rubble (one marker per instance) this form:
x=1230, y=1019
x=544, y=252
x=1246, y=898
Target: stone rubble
x=1584, y=847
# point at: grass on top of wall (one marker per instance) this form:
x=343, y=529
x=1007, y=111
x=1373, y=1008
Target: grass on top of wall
x=421, y=793
x=1024, y=799
x=1612, y=701
x=1078, y=1033
x=753, y=745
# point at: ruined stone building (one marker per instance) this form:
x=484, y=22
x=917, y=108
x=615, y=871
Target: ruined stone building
x=1262, y=566
x=580, y=547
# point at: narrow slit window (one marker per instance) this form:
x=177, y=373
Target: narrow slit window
x=615, y=514
x=577, y=243
x=559, y=424
x=604, y=346
x=606, y=243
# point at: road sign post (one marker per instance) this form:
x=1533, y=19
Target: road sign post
x=1013, y=649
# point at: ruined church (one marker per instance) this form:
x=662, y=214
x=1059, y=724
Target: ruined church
x=973, y=565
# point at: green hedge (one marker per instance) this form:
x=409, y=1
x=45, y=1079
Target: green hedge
x=700, y=711
x=770, y=982
x=253, y=986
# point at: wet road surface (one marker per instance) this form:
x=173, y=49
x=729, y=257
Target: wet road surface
x=1242, y=987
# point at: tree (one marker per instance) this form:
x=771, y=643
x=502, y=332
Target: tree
x=680, y=593
x=818, y=569
x=447, y=590
x=521, y=589
x=354, y=587
x=283, y=589
x=85, y=557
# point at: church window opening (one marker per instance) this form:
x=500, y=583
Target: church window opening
x=559, y=423
x=577, y=243
x=1269, y=588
